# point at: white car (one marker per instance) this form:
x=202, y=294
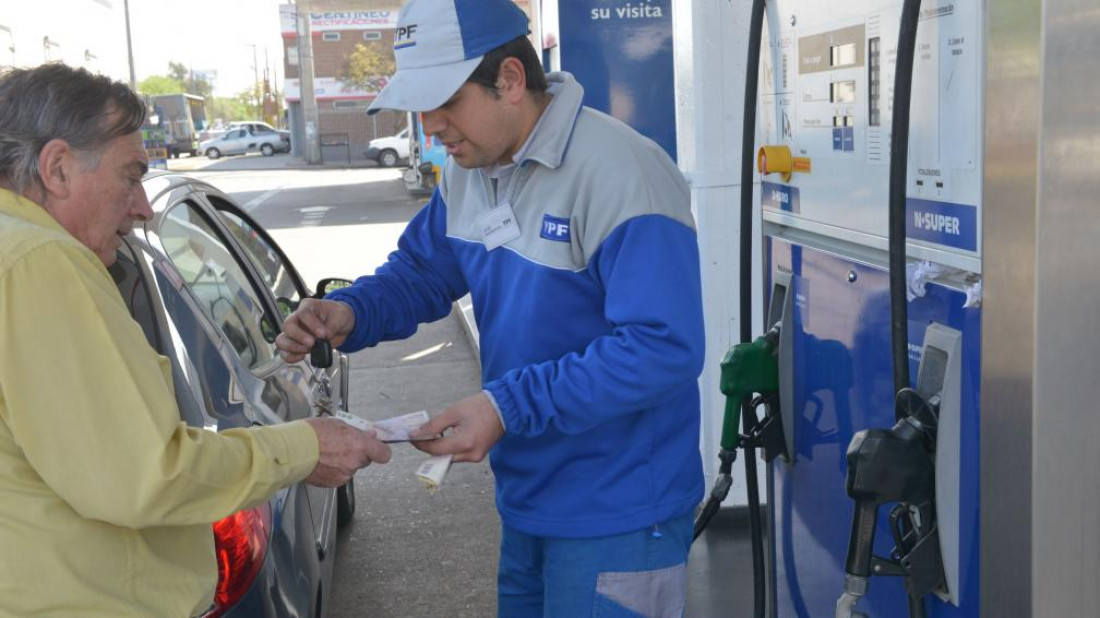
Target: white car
x=389, y=151
x=248, y=137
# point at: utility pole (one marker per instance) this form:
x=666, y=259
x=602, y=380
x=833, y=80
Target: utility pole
x=305, y=77
x=129, y=45
x=256, y=82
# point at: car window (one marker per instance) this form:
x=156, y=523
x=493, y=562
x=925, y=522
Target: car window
x=218, y=282
x=262, y=128
x=277, y=277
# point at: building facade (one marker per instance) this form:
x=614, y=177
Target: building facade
x=341, y=106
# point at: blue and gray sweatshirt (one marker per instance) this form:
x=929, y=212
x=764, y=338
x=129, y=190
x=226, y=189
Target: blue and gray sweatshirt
x=591, y=325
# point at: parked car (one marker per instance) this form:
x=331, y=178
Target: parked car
x=210, y=289
x=258, y=127
x=247, y=137
x=389, y=151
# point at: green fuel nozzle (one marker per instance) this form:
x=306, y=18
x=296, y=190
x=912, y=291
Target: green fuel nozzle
x=747, y=368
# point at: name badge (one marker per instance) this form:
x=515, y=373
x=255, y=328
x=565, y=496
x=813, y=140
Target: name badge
x=498, y=226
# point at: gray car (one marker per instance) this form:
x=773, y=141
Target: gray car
x=246, y=138
x=210, y=289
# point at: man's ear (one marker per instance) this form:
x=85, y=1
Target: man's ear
x=512, y=79
x=55, y=167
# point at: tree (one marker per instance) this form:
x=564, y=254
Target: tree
x=193, y=85
x=369, y=67
x=159, y=84
x=252, y=99
x=228, y=109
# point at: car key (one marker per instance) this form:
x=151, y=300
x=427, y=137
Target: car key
x=321, y=354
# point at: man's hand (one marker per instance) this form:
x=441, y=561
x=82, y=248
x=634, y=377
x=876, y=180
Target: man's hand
x=314, y=319
x=344, y=449
x=475, y=428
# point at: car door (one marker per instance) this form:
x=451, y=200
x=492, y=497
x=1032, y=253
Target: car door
x=236, y=142
x=229, y=290
x=326, y=390
x=218, y=318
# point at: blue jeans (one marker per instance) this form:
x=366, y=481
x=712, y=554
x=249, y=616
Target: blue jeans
x=639, y=574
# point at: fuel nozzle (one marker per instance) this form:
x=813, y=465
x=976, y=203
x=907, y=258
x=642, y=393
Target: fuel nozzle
x=747, y=368
x=894, y=465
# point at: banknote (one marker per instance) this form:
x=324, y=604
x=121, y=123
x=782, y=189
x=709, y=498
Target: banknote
x=394, y=429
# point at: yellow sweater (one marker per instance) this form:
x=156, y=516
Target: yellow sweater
x=106, y=497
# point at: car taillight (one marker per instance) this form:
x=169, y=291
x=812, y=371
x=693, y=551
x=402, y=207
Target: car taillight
x=240, y=542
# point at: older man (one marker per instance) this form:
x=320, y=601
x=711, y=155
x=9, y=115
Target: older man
x=106, y=497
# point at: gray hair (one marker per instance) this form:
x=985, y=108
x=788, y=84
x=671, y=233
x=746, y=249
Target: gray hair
x=55, y=101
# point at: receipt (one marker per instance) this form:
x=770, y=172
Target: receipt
x=433, y=470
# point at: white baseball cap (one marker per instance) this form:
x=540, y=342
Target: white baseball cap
x=439, y=43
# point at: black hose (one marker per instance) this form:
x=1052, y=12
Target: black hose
x=899, y=166
x=756, y=527
x=748, y=157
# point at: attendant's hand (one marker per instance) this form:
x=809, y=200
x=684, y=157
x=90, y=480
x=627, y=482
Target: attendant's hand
x=314, y=319
x=344, y=449
x=475, y=428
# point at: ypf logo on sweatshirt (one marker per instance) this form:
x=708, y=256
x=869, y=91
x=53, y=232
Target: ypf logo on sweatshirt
x=555, y=228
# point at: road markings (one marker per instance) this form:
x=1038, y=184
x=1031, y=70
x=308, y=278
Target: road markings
x=260, y=199
x=312, y=215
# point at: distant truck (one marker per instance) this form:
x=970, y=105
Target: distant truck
x=181, y=116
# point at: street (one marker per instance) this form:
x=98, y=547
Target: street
x=407, y=554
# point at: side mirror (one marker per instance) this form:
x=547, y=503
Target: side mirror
x=330, y=284
x=286, y=306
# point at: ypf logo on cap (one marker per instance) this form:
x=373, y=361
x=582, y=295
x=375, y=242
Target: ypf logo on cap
x=403, y=38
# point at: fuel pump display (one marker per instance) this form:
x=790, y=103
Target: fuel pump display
x=861, y=185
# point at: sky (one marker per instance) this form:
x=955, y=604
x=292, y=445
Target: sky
x=208, y=35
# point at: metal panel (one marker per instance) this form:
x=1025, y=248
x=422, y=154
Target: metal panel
x=1065, y=537
x=1011, y=141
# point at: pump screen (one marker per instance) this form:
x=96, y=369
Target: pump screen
x=874, y=72
x=842, y=92
x=842, y=55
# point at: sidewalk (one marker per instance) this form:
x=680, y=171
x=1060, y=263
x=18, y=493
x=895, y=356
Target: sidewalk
x=334, y=158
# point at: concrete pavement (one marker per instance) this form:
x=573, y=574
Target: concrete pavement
x=410, y=554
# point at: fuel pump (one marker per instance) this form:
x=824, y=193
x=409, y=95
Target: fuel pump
x=831, y=122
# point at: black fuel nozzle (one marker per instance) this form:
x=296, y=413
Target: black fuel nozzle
x=888, y=465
